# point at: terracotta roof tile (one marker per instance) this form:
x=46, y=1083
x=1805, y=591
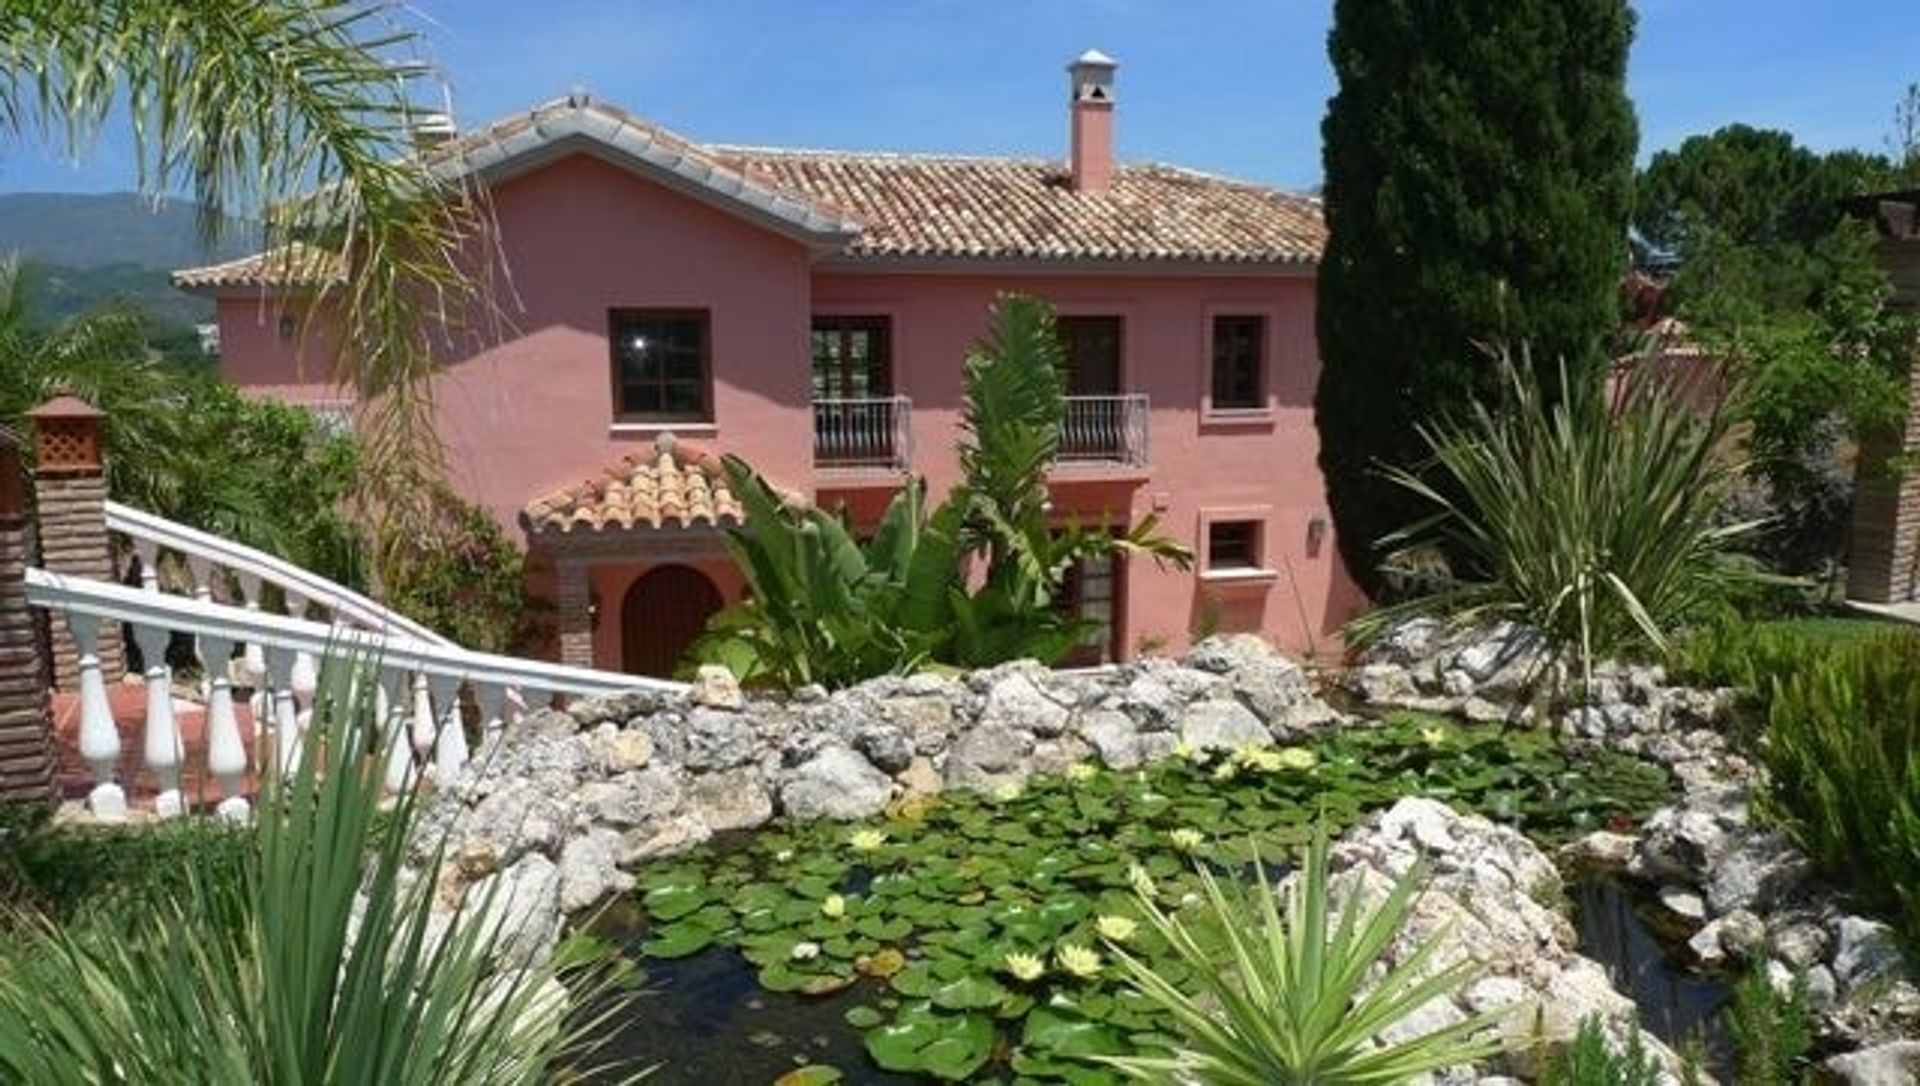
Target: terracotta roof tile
x=1024, y=209
x=296, y=264
x=671, y=486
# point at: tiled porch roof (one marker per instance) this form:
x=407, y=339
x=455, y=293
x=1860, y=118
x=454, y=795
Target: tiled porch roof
x=669, y=486
x=296, y=264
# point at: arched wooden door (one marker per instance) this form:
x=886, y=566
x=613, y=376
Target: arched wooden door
x=664, y=611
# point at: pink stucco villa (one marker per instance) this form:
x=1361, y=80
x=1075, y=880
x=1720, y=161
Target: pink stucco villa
x=809, y=311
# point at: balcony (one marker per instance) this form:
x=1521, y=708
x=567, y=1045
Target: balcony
x=863, y=434
x=1105, y=430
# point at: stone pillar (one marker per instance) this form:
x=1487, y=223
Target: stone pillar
x=26, y=717
x=573, y=601
x=70, y=494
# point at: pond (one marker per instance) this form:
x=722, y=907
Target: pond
x=1677, y=1005
x=966, y=937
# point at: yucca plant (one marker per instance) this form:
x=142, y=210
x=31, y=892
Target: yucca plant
x=310, y=960
x=1287, y=989
x=1596, y=519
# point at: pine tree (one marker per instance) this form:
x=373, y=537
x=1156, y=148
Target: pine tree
x=1479, y=173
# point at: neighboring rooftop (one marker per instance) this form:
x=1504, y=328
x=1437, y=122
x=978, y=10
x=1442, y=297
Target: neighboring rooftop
x=671, y=486
x=296, y=264
x=877, y=207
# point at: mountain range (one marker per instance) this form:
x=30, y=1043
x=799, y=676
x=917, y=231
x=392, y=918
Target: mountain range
x=84, y=250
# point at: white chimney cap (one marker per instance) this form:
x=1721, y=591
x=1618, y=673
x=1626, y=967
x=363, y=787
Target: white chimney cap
x=1094, y=58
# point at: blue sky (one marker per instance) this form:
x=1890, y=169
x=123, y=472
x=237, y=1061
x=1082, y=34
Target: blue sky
x=1234, y=86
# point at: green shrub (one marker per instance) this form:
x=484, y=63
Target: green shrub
x=1772, y=1033
x=451, y=568
x=78, y=872
x=1842, y=751
x=1595, y=519
x=1291, y=986
x=1591, y=1061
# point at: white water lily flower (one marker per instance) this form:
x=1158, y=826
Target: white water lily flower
x=1141, y=881
x=1024, y=967
x=1081, y=771
x=833, y=906
x=867, y=840
x=1185, y=839
x=805, y=952
x=1117, y=928
x=785, y=855
x=1077, y=960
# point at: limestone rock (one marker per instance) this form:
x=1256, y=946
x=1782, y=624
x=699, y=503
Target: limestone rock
x=1893, y=1064
x=920, y=778
x=589, y=870
x=715, y=739
x=629, y=750
x=1222, y=725
x=1601, y=849
x=631, y=799
x=716, y=688
x=1113, y=737
x=1382, y=683
x=1863, y=950
x=988, y=758
x=887, y=747
x=662, y=838
x=836, y=783
x=1015, y=701
x=733, y=799
x=523, y=904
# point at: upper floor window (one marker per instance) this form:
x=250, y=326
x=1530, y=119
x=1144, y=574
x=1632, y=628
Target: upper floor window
x=851, y=358
x=661, y=365
x=1239, y=362
x=1090, y=347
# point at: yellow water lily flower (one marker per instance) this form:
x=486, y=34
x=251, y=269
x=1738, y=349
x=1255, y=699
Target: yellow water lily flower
x=1226, y=771
x=1261, y=759
x=1079, y=772
x=1117, y=928
x=1023, y=967
x=1008, y=792
x=833, y=906
x=1433, y=737
x=867, y=840
x=1186, y=840
x=1077, y=960
x=1187, y=751
x=1296, y=758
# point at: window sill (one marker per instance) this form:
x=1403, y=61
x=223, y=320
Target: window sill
x=1251, y=578
x=1249, y=418
x=653, y=429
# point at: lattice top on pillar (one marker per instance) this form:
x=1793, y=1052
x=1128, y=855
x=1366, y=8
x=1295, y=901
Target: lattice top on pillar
x=67, y=432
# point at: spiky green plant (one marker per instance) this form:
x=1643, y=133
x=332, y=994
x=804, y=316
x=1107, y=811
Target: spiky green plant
x=310, y=960
x=1772, y=1031
x=1592, y=1061
x=1285, y=990
x=1596, y=519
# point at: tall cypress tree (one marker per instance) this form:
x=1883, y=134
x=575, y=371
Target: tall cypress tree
x=1479, y=173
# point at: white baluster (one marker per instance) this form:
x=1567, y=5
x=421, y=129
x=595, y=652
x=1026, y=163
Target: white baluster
x=491, y=698
x=163, y=747
x=226, y=754
x=149, y=554
x=99, y=735
x=450, y=740
x=201, y=569
x=286, y=723
x=394, y=687
x=253, y=658
x=423, y=722
x=306, y=673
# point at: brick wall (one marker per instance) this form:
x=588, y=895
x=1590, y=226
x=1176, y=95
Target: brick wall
x=1884, y=561
x=26, y=742
x=73, y=541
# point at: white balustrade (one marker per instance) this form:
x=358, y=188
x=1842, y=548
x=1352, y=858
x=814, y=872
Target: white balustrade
x=432, y=673
x=148, y=552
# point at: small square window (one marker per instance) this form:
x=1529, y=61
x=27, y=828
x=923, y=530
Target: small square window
x=1233, y=544
x=1239, y=362
x=660, y=364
